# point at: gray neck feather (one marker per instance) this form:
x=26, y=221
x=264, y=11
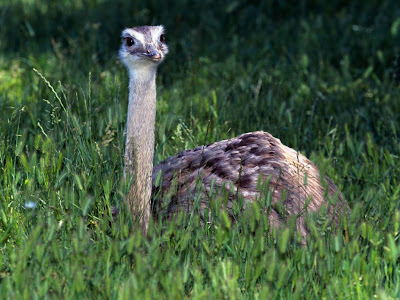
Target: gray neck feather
x=139, y=151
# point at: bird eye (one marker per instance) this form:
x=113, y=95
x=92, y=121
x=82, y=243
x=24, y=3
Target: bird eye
x=129, y=41
x=162, y=38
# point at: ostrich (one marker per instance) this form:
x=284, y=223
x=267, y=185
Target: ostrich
x=235, y=165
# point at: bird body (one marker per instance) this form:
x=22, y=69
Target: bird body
x=236, y=166
x=239, y=166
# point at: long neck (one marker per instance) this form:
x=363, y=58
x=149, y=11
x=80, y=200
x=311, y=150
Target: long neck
x=139, y=151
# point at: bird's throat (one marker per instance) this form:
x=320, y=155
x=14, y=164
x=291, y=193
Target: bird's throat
x=139, y=151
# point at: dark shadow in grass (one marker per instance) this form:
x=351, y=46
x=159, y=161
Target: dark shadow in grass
x=194, y=26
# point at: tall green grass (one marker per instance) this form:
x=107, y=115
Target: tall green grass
x=322, y=77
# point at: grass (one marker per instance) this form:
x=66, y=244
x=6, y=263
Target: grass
x=321, y=76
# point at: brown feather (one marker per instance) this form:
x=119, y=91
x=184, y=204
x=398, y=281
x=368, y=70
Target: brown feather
x=237, y=165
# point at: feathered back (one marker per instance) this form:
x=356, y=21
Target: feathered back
x=239, y=165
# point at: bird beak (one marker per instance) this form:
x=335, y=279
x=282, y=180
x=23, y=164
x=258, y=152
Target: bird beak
x=152, y=53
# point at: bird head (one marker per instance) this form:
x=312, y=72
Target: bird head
x=143, y=47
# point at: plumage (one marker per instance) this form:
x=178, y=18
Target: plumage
x=239, y=165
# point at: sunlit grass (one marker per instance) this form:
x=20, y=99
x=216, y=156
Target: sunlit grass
x=322, y=77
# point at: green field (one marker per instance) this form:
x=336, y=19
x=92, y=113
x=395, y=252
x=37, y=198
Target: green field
x=322, y=76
